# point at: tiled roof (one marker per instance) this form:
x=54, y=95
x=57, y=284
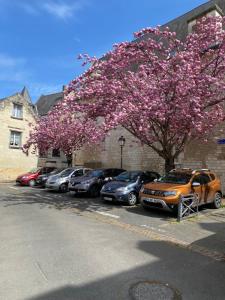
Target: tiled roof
x=46, y=102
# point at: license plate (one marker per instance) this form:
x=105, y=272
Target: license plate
x=107, y=198
x=152, y=200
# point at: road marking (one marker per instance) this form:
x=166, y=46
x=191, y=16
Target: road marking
x=41, y=271
x=106, y=214
x=14, y=188
x=37, y=195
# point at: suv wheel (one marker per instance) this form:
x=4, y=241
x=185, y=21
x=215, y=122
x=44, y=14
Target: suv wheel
x=63, y=188
x=132, y=199
x=32, y=183
x=217, y=200
x=94, y=191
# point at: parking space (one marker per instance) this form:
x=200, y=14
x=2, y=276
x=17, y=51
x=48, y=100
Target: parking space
x=197, y=231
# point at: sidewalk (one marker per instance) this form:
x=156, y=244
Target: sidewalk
x=205, y=231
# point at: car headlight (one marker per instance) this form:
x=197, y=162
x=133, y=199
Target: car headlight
x=142, y=189
x=24, y=177
x=170, y=193
x=103, y=188
x=122, y=189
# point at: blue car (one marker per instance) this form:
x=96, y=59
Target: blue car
x=126, y=186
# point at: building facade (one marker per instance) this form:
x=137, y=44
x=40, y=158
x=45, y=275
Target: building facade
x=54, y=157
x=16, y=113
x=197, y=154
x=135, y=156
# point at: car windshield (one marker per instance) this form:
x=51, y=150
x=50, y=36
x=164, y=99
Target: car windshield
x=176, y=178
x=34, y=170
x=66, y=172
x=56, y=171
x=128, y=176
x=95, y=173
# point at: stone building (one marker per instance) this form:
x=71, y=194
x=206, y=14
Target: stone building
x=135, y=156
x=54, y=157
x=196, y=155
x=16, y=112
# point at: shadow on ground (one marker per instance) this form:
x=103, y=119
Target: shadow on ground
x=215, y=228
x=81, y=202
x=191, y=275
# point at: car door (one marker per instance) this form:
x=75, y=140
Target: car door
x=208, y=195
x=199, y=190
x=77, y=173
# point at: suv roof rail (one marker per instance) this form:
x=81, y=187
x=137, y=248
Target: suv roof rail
x=181, y=169
x=198, y=170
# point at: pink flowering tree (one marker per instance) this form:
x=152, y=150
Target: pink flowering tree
x=60, y=130
x=164, y=91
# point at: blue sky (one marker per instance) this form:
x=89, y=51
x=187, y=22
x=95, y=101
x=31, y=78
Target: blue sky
x=41, y=39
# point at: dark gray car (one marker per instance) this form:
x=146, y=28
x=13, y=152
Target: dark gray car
x=126, y=186
x=93, y=181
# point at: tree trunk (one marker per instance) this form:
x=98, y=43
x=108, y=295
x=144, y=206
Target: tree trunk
x=69, y=160
x=169, y=164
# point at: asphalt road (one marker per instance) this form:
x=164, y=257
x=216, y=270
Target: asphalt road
x=58, y=247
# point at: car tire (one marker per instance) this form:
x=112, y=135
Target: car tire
x=32, y=183
x=132, y=199
x=94, y=191
x=174, y=210
x=217, y=202
x=63, y=188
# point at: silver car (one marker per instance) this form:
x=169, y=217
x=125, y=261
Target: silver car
x=60, y=181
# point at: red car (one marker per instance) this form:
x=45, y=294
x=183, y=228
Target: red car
x=30, y=177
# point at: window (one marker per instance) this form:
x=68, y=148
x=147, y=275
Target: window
x=15, y=139
x=201, y=178
x=55, y=153
x=17, y=111
x=43, y=154
x=78, y=173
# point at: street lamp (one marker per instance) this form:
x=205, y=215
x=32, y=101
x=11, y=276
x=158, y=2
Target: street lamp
x=121, y=142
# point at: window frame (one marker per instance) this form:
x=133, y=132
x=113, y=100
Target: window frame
x=15, y=111
x=56, y=154
x=14, y=146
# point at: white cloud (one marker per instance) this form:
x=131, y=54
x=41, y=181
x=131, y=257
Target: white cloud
x=30, y=9
x=12, y=69
x=37, y=89
x=7, y=61
x=63, y=10
x=15, y=72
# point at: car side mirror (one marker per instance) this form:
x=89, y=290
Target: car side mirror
x=195, y=184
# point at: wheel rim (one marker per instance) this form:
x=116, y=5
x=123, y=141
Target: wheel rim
x=64, y=188
x=218, y=200
x=94, y=192
x=31, y=183
x=132, y=198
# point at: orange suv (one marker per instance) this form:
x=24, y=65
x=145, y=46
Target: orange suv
x=166, y=191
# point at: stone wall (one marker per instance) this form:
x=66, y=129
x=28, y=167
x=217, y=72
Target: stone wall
x=197, y=154
x=13, y=161
x=135, y=156
x=51, y=161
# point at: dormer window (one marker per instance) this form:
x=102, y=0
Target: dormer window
x=212, y=13
x=17, y=111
